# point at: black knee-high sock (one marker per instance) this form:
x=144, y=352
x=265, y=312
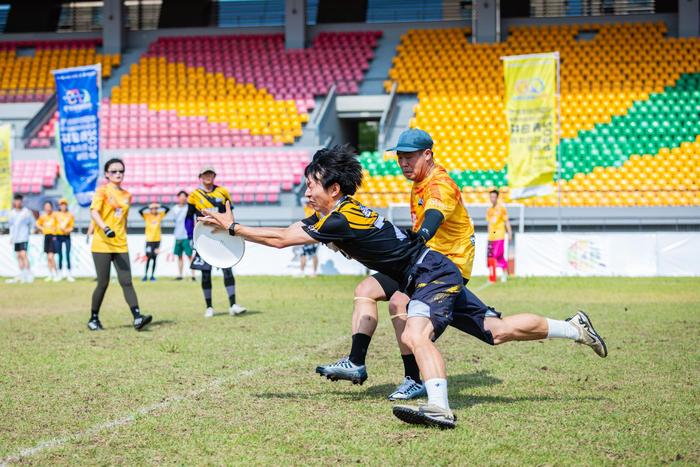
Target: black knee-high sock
x=358, y=351
x=410, y=367
x=206, y=287
x=230, y=284
x=148, y=261
x=153, y=268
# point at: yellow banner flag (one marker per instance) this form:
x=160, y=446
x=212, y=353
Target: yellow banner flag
x=5, y=168
x=531, y=111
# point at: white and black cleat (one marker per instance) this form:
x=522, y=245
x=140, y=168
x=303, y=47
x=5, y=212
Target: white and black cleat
x=588, y=334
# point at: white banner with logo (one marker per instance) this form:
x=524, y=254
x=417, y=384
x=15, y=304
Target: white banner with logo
x=567, y=254
x=258, y=259
x=608, y=254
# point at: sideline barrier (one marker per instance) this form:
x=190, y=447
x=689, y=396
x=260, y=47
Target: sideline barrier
x=536, y=254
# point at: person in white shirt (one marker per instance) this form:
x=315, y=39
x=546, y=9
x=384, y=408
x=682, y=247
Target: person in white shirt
x=183, y=246
x=21, y=221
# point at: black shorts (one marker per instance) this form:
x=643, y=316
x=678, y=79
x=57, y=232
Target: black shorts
x=49, y=244
x=390, y=286
x=437, y=293
x=309, y=250
x=151, y=248
x=21, y=246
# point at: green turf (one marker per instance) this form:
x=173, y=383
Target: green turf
x=241, y=390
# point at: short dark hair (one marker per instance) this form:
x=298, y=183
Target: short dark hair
x=337, y=164
x=114, y=160
x=181, y=192
x=494, y=191
x=18, y=197
x=49, y=202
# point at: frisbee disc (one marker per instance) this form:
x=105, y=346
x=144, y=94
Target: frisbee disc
x=219, y=249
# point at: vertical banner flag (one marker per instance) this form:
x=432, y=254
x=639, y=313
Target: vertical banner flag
x=533, y=126
x=5, y=168
x=78, y=97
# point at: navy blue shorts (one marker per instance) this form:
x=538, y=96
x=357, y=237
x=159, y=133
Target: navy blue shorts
x=309, y=250
x=436, y=292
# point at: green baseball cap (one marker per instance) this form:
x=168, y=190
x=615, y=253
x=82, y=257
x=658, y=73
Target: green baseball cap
x=413, y=139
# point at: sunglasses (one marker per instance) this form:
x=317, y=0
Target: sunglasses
x=112, y=172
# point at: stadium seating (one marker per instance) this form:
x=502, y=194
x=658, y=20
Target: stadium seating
x=628, y=92
x=252, y=176
x=221, y=91
x=32, y=176
x=27, y=78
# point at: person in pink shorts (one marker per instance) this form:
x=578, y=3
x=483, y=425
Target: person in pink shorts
x=499, y=227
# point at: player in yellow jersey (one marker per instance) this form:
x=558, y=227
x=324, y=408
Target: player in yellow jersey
x=498, y=226
x=210, y=197
x=66, y=222
x=109, y=211
x=152, y=221
x=47, y=223
x=437, y=214
x=308, y=251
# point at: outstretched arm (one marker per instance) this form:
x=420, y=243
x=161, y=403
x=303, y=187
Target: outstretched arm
x=276, y=237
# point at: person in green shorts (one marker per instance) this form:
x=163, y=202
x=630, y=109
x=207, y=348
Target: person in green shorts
x=183, y=245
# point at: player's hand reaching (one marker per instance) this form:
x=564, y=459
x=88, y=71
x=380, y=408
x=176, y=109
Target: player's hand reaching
x=219, y=220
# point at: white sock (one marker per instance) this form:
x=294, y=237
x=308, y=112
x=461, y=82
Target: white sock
x=437, y=392
x=561, y=329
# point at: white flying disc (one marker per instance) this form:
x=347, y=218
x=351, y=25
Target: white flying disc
x=219, y=249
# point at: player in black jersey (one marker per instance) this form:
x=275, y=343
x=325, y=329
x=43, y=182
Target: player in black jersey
x=431, y=280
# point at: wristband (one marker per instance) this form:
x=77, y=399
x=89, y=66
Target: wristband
x=232, y=228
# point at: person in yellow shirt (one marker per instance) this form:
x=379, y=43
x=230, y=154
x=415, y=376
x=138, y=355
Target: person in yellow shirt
x=65, y=224
x=109, y=211
x=498, y=226
x=308, y=251
x=439, y=216
x=47, y=223
x=152, y=219
x=205, y=198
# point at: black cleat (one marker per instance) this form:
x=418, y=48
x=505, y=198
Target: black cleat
x=142, y=321
x=95, y=325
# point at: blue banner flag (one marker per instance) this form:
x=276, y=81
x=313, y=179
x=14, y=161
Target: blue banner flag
x=78, y=97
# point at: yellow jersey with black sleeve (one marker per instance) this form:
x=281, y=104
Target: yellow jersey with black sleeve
x=47, y=223
x=202, y=200
x=363, y=235
x=65, y=222
x=152, y=224
x=496, y=216
x=112, y=203
x=455, y=236
x=308, y=211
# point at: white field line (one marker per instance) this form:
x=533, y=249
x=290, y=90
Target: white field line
x=149, y=409
x=482, y=287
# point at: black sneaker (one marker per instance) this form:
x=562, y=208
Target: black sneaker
x=95, y=325
x=178, y=278
x=142, y=321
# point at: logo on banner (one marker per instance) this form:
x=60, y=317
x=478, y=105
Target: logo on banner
x=586, y=256
x=77, y=100
x=529, y=88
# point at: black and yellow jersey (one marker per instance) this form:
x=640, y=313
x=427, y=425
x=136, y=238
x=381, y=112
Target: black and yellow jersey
x=201, y=200
x=363, y=235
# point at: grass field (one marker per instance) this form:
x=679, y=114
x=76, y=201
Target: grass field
x=234, y=390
